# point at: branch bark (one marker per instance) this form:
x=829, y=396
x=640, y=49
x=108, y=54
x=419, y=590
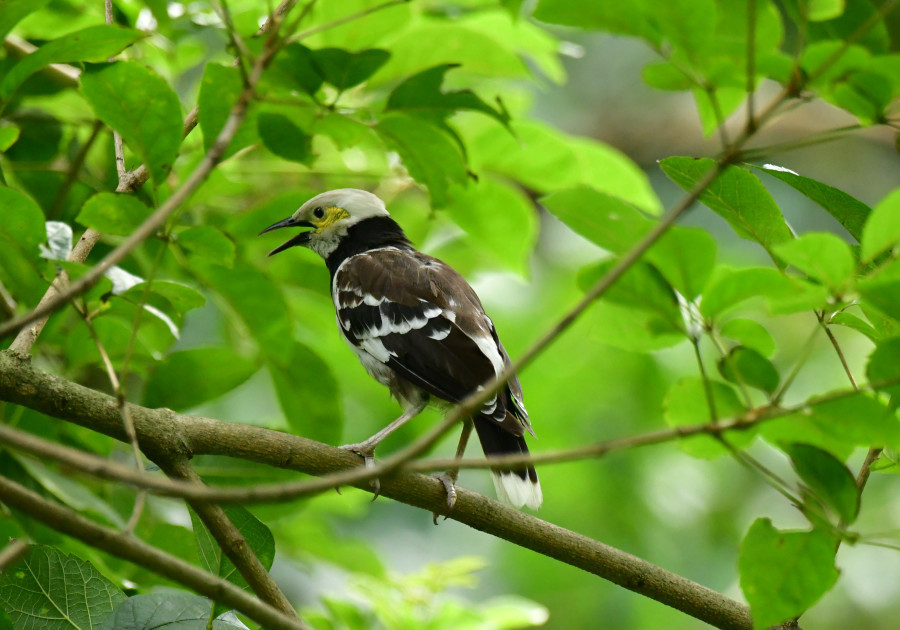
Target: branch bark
x=165, y=434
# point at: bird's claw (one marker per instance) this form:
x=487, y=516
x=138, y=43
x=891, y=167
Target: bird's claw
x=448, y=479
x=368, y=455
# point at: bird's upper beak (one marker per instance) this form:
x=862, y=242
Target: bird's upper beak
x=299, y=239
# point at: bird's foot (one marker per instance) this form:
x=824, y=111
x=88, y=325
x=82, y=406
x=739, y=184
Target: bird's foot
x=367, y=452
x=449, y=480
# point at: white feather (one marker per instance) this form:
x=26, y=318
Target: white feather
x=515, y=491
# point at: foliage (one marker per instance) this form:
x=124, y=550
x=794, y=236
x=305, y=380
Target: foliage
x=790, y=346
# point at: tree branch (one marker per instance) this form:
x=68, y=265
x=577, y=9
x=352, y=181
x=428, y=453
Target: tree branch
x=164, y=433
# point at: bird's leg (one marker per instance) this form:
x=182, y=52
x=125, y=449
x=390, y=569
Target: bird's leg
x=449, y=477
x=366, y=448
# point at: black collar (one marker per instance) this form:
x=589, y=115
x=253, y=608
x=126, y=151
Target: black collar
x=368, y=234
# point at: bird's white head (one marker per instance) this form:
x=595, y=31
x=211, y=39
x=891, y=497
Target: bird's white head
x=329, y=214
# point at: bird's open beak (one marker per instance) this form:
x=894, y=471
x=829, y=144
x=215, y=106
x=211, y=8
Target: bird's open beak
x=299, y=239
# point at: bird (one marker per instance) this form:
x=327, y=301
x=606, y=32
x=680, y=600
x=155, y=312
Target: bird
x=418, y=328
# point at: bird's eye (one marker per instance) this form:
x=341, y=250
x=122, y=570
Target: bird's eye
x=318, y=213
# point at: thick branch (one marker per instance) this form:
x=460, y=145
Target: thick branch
x=164, y=433
x=134, y=550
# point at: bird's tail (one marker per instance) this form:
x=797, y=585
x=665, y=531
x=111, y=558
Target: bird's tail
x=516, y=485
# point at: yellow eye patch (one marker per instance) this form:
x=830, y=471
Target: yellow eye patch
x=333, y=214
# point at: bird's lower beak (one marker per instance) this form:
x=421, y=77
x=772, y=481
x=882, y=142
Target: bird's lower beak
x=299, y=239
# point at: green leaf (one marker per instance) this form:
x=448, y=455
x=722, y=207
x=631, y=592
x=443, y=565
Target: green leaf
x=294, y=65
x=686, y=257
x=546, y=160
x=821, y=10
x=666, y=76
x=140, y=105
x=883, y=366
x=730, y=287
x=95, y=43
x=285, y=139
x=309, y=394
x=208, y=243
x=641, y=286
x=751, y=334
x=52, y=590
x=259, y=539
x=499, y=218
x=22, y=227
x=852, y=321
x=882, y=289
x=421, y=95
x=601, y=218
x=860, y=19
x=14, y=11
x=113, y=213
x=687, y=404
x=427, y=152
x=167, y=609
x=784, y=573
x=828, y=477
x=838, y=425
x=821, y=256
x=219, y=91
x=187, y=378
x=737, y=196
x=882, y=230
x=629, y=18
x=258, y=301
x=344, y=69
x=747, y=366
x=69, y=491
x=181, y=297
x=8, y=136
x=848, y=211
x=631, y=329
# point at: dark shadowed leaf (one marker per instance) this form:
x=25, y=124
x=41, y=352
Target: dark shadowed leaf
x=737, y=196
x=113, y=213
x=95, y=43
x=421, y=95
x=828, y=477
x=784, y=573
x=187, y=378
x=344, y=69
x=295, y=65
x=749, y=367
x=53, y=590
x=283, y=138
x=849, y=211
x=140, y=105
x=309, y=394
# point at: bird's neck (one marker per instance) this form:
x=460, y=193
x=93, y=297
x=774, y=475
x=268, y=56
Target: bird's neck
x=371, y=233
